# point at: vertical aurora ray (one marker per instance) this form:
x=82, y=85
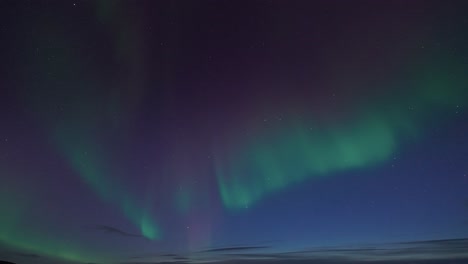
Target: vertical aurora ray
x=182, y=199
x=276, y=158
x=73, y=104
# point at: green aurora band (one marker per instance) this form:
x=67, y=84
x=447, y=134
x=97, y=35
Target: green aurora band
x=293, y=152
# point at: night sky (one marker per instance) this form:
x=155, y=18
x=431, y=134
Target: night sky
x=233, y=131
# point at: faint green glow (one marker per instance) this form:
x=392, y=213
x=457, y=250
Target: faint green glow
x=296, y=150
x=18, y=233
x=148, y=228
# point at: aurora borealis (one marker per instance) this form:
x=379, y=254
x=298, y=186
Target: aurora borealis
x=256, y=131
x=303, y=149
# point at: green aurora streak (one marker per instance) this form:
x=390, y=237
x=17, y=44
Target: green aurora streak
x=88, y=162
x=296, y=151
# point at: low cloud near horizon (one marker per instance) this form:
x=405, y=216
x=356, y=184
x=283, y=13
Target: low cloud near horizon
x=451, y=251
